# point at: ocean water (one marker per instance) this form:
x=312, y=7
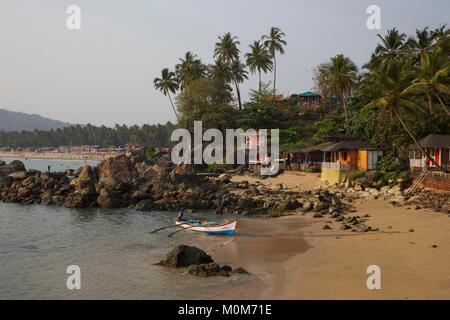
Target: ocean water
x=55, y=164
x=114, y=249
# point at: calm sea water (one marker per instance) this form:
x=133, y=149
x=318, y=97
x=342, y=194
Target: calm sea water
x=113, y=248
x=55, y=164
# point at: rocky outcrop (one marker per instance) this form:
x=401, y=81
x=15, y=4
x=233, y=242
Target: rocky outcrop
x=120, y=167
x=209, y=270
x=198, y=262
x=185, y=256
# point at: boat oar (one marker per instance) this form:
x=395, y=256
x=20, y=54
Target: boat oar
x=171, y=226
x=170, y=235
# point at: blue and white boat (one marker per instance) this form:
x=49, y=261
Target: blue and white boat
x=209, y=227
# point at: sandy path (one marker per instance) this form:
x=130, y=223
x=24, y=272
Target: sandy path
x=290, y=179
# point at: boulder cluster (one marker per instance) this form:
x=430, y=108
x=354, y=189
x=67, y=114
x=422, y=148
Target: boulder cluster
x=398, y=195
x=143, y=184
x=198, y=262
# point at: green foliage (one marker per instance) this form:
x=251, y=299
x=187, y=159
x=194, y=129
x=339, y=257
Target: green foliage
x=353, y=175
x=214, y=167
x=328, y=126
x=154, y=135
x=149, y=151
x=206, y=100
x=388, y=163
x=259, y=112
x=313, y=170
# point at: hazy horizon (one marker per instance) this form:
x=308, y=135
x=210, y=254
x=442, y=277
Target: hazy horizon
x=103, y=73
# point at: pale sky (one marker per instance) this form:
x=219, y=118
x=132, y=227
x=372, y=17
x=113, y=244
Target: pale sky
x=103, y=73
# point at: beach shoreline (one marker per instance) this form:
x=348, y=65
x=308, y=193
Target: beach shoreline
x=55, y=156
x=293, y=257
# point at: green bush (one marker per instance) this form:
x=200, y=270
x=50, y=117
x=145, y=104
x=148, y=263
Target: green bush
x=389, y=163
x=353, y=175
x=149, y=151
x=213, y=167
x=313, y=170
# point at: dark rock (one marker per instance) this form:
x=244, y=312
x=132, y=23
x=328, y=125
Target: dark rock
x=78, y=200
x=227, y=268
x=16, y=165
x=5, y=181
x=240, y=270
x=108, y=199
x=86, y=178
x=119, y=167
x=326, y=227
x=144, y=205
x=207, y=270
x=184, y=256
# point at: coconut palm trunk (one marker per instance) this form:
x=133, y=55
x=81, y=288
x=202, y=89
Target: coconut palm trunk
x=259, y=74
x=430, y=103
x=238, y=93
x=274, y=75
x=173, y=107
x=347, y=123
x=443, y=105
x=415, y=140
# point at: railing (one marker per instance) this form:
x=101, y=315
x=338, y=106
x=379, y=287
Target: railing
x=334, y=165
x=418, y=163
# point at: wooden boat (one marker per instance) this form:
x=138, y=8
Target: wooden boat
x=226, y=228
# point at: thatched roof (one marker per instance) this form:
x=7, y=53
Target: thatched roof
x=433, y=141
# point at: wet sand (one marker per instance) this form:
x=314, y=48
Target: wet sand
x=294, y=258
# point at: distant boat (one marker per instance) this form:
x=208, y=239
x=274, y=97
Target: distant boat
x=210, y=227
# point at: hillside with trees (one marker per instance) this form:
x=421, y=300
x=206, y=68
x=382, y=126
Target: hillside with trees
x=154, y=135
x=19, y=121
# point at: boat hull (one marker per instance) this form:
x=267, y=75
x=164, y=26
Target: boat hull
x=221, y=229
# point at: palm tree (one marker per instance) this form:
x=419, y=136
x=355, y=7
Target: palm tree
x=274, y=42
x=189, y=69
x=227, y=51
x=432, y=78
x=392, y=82
x=424, y=42
x=259, y=59
x=341, y=75
x=220, y=71
x=390, y=48
x=167, y=84
x=239, y=75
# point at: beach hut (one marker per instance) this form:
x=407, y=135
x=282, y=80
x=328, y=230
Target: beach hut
x=307, y=98
x=345, y=156
x=436, y=146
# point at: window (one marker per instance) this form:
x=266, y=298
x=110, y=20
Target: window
x=344, y=155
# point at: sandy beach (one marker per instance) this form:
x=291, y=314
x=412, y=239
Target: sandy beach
x=294, y=258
